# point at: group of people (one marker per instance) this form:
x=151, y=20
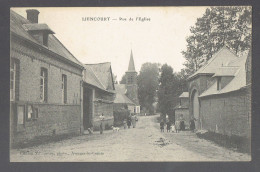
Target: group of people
x=130, y=120
x=178, y=126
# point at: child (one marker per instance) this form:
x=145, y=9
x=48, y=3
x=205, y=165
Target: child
x=124, y=122
x=173, y=128
x=177, y=126
x=162, y=126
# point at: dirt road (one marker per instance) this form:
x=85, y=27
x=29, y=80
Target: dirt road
x=143, y=143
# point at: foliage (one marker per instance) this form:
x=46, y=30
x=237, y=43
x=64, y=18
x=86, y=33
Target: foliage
x=219, y=26
x=123, y=79
x=148, y=81
x=170, y=87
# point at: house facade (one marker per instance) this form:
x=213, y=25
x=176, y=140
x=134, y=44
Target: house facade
x=98, y=94
x=182, y=109
x=220, y=94
x=127, y=94
x=45, y=81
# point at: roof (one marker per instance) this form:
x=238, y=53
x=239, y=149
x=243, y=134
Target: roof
x=37, y=27
x=181, y=107
x=99, y=75
x=219, y=59
x=238, y=82
x=184, y=95
x=19, y=26
x=120, y=95
x=131, y=66
x=121, y=98
x=226, y=71
x=120, y=88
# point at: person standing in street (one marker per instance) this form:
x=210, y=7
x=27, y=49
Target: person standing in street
x=178, y=126
x=101, y=127
x=129, y=121
x=133, y=119
x=192, y=124
x=168, y=126
x=162, y=125
x=125, y=123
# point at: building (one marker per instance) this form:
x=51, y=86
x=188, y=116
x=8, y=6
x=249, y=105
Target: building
x=127, y=94
x=220, y=94
x=45, y=81
x=181, y=111
x=98, y=94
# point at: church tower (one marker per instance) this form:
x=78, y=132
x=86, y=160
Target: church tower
x=131, y=81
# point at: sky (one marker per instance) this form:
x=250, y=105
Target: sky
x=160, y=38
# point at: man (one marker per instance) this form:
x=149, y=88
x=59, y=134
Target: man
x=102, y=118
x=162, y=125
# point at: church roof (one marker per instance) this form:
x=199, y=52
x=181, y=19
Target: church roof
x=131, y=66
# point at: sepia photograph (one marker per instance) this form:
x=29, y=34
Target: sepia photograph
x=130, y=84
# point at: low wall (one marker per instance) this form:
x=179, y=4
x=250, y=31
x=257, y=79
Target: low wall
x=52, y=120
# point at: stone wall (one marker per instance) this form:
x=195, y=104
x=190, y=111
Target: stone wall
x=228, y=114
x=54, y=117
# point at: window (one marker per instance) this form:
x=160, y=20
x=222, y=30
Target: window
x=64, y=88
x=20, y=115
x=12, y=80
x=29, y=112
x=43, y=85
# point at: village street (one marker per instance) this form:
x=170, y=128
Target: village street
x=143, y=143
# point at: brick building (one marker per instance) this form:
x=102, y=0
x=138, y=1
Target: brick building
x=98, y=94
x=182, y=109
x=127, y=94
x=45, y=81
x=220, y=94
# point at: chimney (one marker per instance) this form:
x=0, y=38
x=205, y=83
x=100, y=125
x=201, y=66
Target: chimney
x=32, y=15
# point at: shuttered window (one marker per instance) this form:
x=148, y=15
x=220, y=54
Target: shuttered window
x=64, y=89
x=12, y=80
x=43, y=85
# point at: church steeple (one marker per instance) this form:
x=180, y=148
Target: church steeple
x=131, y=66
x=131, y=81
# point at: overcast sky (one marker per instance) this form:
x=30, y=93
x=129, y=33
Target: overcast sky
x=159, y=40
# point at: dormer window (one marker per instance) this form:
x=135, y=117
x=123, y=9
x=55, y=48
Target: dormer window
x=39, y=31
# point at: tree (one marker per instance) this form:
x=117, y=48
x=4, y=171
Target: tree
x=123, y=80
x=171, y=85
x=219, y=26
x=148, y=81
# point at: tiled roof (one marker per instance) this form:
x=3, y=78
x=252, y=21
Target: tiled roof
x=36, y=27
x=121, y=98
x=219, y=59
x=17, y=26
x=99, y=75
x=238, y=82
x=120, y=95
x=226, y=71
x=184, y=94
x=120, y=88
x=181, y=107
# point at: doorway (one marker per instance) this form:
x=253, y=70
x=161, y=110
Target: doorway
x=87, y=107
